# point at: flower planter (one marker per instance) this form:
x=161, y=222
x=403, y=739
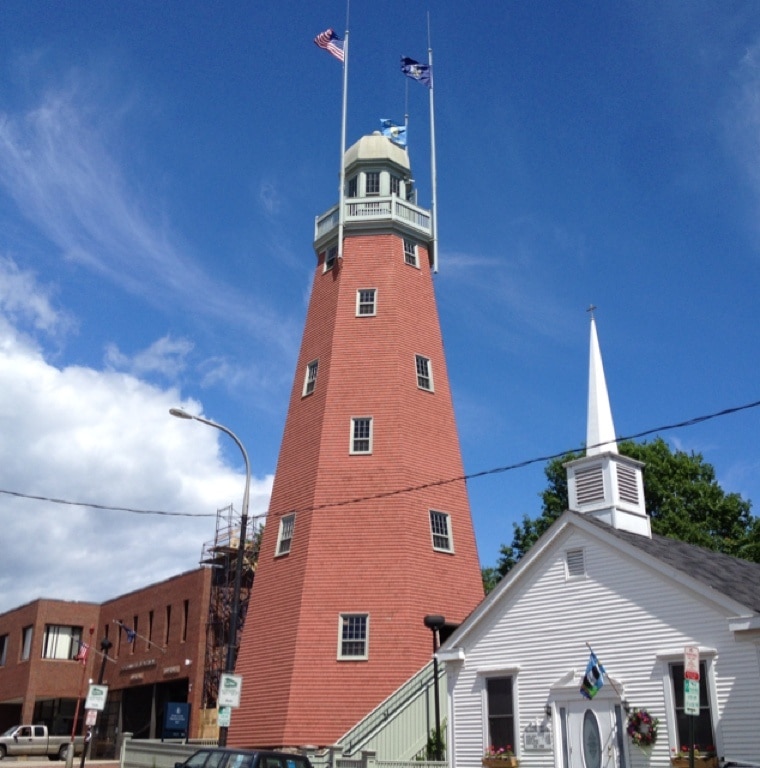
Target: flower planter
x=700, y=761
x=507, y=762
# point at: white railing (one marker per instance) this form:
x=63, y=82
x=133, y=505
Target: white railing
x=375, y=209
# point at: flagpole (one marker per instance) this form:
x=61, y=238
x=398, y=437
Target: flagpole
x=342, y=195
x=433, y=175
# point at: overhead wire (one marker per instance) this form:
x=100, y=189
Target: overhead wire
x=411, y=488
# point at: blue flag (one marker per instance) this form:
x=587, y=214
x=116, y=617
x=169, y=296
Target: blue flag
x=395, y=132
x=593, y=680
x=419, y=72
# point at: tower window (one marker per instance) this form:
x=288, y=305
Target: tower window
x=439, y=528
x=285, y=537
x=330, y=255
x=310, y=379
x=361, y=435
x=410, y=252
x=395, y=185
x=365, y=302
x=354, y=636
x=424, y=372
x=373, y=183
x=352, y=187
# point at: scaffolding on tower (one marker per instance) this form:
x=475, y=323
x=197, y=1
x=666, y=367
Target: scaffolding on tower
x=221, y=555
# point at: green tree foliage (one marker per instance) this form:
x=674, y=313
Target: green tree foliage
x=683, y=499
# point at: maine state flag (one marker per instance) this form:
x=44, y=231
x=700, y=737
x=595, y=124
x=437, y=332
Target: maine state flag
x=593, y=680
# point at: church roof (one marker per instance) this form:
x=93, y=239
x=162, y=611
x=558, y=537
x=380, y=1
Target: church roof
x=736, y=578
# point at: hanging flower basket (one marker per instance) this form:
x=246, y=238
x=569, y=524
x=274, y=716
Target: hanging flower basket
x=642, y=728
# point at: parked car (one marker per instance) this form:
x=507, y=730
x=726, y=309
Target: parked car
x=227, y=757
x=34, y=740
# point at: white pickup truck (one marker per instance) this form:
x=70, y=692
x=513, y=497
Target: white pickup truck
x=32, y=740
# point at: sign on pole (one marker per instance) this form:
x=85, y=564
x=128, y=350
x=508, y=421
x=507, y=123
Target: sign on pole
x=96, y=697
x=691, y=680
x=229, y=690
x=224, y=717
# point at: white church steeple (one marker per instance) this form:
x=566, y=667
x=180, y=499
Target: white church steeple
x=603, y=483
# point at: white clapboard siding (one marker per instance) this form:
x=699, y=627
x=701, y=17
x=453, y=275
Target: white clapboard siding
x=636, y=617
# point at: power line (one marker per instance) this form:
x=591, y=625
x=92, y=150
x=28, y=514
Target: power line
x=412, y=488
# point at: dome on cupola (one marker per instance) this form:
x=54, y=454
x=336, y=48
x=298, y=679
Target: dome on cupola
x=376, y=148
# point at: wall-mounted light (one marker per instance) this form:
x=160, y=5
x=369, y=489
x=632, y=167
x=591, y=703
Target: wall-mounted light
x=188, y=662
x=548, y=710
x=626, y=706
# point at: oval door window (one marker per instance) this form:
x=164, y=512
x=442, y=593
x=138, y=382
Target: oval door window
x=592, y=741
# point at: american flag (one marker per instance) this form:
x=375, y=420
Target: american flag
x=331, y=43
x=84, y=649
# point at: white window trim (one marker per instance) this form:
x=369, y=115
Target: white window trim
x=289, y=517
x=332, y=249
x=351, y=450
x=307, y=380
x=429, y=366
x=365, y=655
x=359, y=302
x=449, y=534
x=706, y=655
x=416, y=253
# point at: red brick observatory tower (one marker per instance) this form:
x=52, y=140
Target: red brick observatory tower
x=360, y=542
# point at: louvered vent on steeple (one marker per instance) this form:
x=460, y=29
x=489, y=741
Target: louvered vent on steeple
x=589, y=484
x=627, y=486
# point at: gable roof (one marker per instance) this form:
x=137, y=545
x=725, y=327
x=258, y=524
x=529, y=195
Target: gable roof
x=731, y=576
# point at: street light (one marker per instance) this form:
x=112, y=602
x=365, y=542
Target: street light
x=435, y=624
x=230, y=661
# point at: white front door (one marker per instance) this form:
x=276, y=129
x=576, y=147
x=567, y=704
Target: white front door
x=590, y=734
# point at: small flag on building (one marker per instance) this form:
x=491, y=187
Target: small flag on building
x=419, y=72
x=395, y=132
x=331, y=43
x=84, y=649
x=593, y=680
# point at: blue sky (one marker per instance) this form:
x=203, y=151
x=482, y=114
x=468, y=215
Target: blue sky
x=161, y=165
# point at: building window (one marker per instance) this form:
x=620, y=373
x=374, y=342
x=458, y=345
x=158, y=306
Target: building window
x=395, y=185
x=703, y=731
x=61, y=642
x=26, y=643
x=361, y=435
x=149, y=639
x=330, y=255
x=3, y=650
x=133, y=643
x=352, y=187
x=285, y=537
x=501, y=712
x=185, y=619
x=310, y=379
x=373, y=183
x=353, y=636
x=410, y=252
x=439, y=527
x=424, y=373
x=168, y=624
x=365, y=302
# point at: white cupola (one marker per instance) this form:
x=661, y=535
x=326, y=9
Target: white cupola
x=603, y=483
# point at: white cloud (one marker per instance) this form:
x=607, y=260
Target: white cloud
x=105, y=438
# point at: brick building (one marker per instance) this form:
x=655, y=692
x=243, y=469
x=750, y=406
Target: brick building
x=41, y=680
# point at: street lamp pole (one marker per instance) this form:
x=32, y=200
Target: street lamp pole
x=235, y=612
x=435, y=624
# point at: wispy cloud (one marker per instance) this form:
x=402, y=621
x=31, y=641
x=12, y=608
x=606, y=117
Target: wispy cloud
x=58, y=165
x=166, y=356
